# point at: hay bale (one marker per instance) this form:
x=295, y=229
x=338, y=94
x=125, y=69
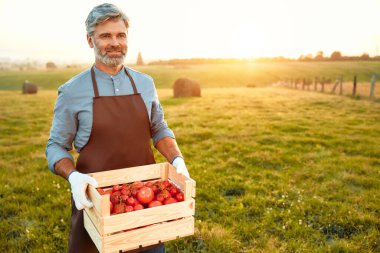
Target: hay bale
x=29, y=88
x=184, y=87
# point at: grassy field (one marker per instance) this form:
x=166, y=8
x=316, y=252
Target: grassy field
x=212, y=75
x=277, y=170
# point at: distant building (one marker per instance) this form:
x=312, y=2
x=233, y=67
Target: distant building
x=139, y=59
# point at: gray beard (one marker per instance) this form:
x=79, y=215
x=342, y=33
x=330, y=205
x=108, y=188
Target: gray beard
x=109, y=61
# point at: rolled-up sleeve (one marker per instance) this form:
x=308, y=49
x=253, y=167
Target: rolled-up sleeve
x=62, y=131
x=159, y=127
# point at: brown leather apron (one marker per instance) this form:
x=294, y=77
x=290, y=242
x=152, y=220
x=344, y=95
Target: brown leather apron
x=120, y=138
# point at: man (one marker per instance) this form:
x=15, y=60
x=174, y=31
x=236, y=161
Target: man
x=110, y=113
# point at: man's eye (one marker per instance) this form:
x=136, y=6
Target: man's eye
x=122, y=36
x=105, y=36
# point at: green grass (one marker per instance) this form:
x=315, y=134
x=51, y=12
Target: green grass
x=211, y=75
x=277, y=170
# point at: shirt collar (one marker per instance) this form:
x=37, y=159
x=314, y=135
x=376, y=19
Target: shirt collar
x=104, y=75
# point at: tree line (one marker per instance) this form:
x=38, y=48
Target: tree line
x=335, y=56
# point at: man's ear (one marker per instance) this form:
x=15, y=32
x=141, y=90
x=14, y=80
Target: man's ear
x=89, y=41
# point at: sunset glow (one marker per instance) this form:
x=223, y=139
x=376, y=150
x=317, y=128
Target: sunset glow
x=54, y=30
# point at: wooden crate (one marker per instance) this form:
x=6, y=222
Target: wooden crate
x=148, y=226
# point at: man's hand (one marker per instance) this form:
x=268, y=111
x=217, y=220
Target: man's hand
x=79, y=183
x=180, y=166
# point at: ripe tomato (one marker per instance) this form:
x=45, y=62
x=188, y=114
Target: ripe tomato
x=115, y=197
x=111, y=207
x=160, y=197
x=166, y=184
x=128, y=209
x=131, y=201
x=124, y=198
x=173, y=190
x=124, y=191
x=137, y=184
x=148, y=184
x=155, y=203
x=134, y=192
x=165, y=193
x=119, y=208
x=145, y=195
x=158, y=183
x=154, y=188
x=170, y=200
x=116, y=187
x=179, y=197
x=138, y=207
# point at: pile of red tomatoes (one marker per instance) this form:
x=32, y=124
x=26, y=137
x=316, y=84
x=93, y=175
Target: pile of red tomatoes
x=139, y=195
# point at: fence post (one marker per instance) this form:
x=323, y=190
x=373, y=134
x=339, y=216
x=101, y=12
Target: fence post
x=372, y=90
x=323, y=84
x=303, y=83
x=354, y=87
x=315, y=83
x=341, y=86
x=335, y=85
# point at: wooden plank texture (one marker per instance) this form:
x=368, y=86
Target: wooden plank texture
x=115, y=223
x=93, y=232
x=149, y=235
x=95, y=218
x=101, y=202
x=186, y=184
x=128, y=175
x=94, y=196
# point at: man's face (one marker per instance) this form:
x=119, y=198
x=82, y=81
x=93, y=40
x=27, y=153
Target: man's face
x=109, y=41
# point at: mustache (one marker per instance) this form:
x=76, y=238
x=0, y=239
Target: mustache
x=114, y=49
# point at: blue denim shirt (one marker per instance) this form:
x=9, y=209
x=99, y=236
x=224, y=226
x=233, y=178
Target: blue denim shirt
x=72, y=120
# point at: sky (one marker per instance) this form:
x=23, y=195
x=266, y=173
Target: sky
x=165, y=29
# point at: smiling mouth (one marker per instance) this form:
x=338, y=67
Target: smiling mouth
x=116, y=53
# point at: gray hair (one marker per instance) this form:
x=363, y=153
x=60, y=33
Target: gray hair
x=102, y=13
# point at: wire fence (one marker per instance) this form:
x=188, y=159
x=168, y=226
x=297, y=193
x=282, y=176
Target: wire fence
x=352, y=88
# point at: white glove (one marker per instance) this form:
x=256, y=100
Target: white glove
x=180, y=166
x=79, y=183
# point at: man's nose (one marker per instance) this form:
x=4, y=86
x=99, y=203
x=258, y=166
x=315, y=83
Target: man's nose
x=114, y=41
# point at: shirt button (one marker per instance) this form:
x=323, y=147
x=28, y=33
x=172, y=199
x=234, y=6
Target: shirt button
x=117, y=89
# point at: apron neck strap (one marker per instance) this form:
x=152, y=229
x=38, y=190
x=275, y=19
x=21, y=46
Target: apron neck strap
x=131, y=79
x=95, y=85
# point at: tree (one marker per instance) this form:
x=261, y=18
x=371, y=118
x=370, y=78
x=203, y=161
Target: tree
x=365, y=56
x=139, y=59
x=307, y=57
x=319, y=55
x=335, y=56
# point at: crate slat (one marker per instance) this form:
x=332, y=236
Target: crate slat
x=149, y=235
x=185, y=183
x=96, y=219
x=128, y=175
x=100, y=201
x=115, y=223
x=93, y=232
